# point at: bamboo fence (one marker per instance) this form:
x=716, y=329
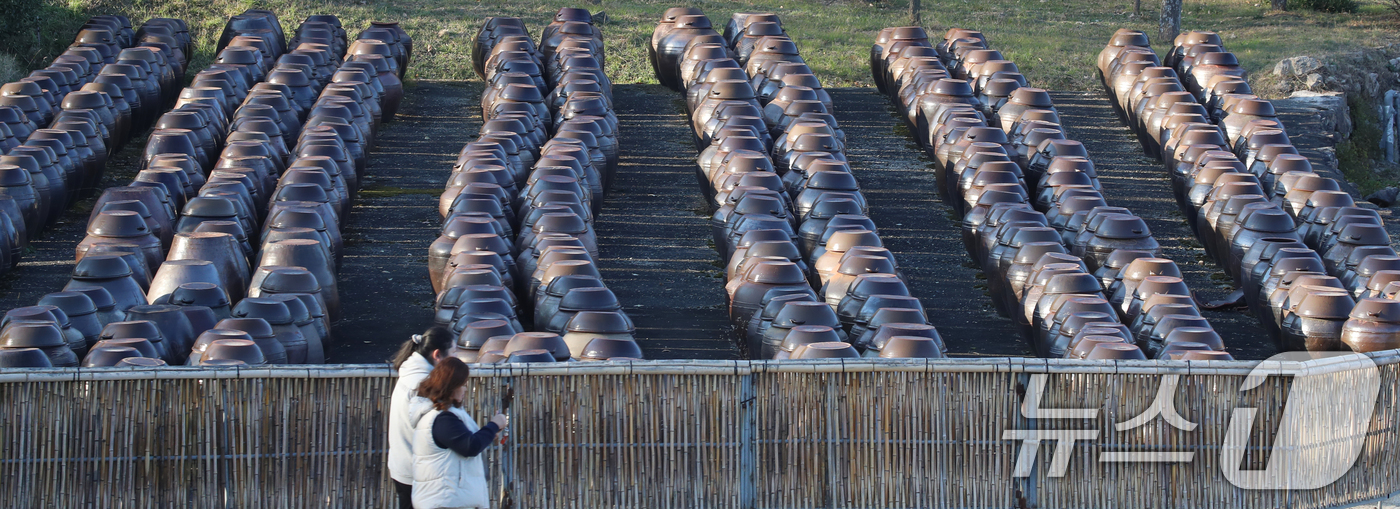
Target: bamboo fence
x=710, y=434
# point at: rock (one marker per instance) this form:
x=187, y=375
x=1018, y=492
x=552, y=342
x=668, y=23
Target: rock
x=1297, y=66
x=1330, y=107
x=1385, y=197
x=1395, y=64
x=1313, y=80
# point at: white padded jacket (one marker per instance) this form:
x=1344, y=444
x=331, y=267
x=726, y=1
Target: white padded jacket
x=411, y=373
x=443, y=479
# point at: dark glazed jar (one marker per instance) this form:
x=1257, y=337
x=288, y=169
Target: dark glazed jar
x=45, y=337
x=1373, y=325
x=1315, y=322
x=262, y=334
x=111, y=273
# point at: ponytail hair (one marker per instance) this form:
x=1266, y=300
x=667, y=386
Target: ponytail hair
x=434, y=339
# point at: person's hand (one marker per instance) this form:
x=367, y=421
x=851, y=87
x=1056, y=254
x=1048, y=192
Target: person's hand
x=501, y=420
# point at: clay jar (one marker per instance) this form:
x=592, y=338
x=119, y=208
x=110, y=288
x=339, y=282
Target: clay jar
x=311, y=256
x=1087, y=344
x=1257, y=223
x=790, y=316
x=123, y=227
x=1119, y=232
x=42, y=336
x=222, y=250
x=1317, y=320
x=262, y=334
x=576, y=301
x=279, y=282
x=246, y=351
x=1114, y=351
x=174, y=273
x=75, y=338
x=1373, y=325
x=605, y=332
x=671, y=46
x=910, y=347
x=549, y=342
x=202, y=294
x=1153, y=285
x=1349, y=239
x=764, y=279
x=108, y=356
x=81, y=312
x=801, y=336
x=1058, y=289
x=175, y=327
x=24, y=358
x=881, y=337
x=1286, y=275
x=1126, y=283
x=111, y=273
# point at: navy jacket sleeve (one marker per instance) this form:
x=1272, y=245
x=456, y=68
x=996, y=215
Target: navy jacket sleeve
x=449, y=432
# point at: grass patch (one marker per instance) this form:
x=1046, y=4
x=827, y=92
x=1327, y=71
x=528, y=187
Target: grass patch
x=1054, y=43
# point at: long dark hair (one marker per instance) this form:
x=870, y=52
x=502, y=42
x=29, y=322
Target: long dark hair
x=446, y=377
x=434, y=339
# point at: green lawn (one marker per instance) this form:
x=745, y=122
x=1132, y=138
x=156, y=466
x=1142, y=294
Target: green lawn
x=1054, y=42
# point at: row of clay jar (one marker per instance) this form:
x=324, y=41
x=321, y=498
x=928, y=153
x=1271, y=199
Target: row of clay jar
x=1308, y=260
x=808, y=275
x=183, y=302
x=1071, y=271
x=59, y=125
x=108, y=85
x=515, y=266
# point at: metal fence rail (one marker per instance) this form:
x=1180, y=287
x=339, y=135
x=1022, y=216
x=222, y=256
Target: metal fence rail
x=714, y=434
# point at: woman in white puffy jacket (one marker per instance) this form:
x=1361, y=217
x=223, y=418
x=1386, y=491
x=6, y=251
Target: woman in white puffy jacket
x=447, y=443
x=414, y=361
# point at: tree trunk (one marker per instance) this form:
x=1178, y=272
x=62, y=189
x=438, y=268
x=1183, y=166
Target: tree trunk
x=1279, y=5
x=914, y=13
x=1170, y=24
x=1137, y=8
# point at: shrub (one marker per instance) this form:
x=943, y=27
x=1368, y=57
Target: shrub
x=1357, y=155
x=1349, y=6
x=9, y=68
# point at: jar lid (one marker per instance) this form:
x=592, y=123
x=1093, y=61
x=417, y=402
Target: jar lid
x=541, y=341
x=601, y=322
x=589, y=298
x=808, y=334
x=1325, y=304
x=1116, y=351
x=258, y=328
x=911, y=347
x=31, y=334
x=101, y=266
x=827, y=350
x=24, y=358
x=522, y=356
x=611, y=348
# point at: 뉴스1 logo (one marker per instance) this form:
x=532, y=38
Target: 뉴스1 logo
x=1320, y=434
